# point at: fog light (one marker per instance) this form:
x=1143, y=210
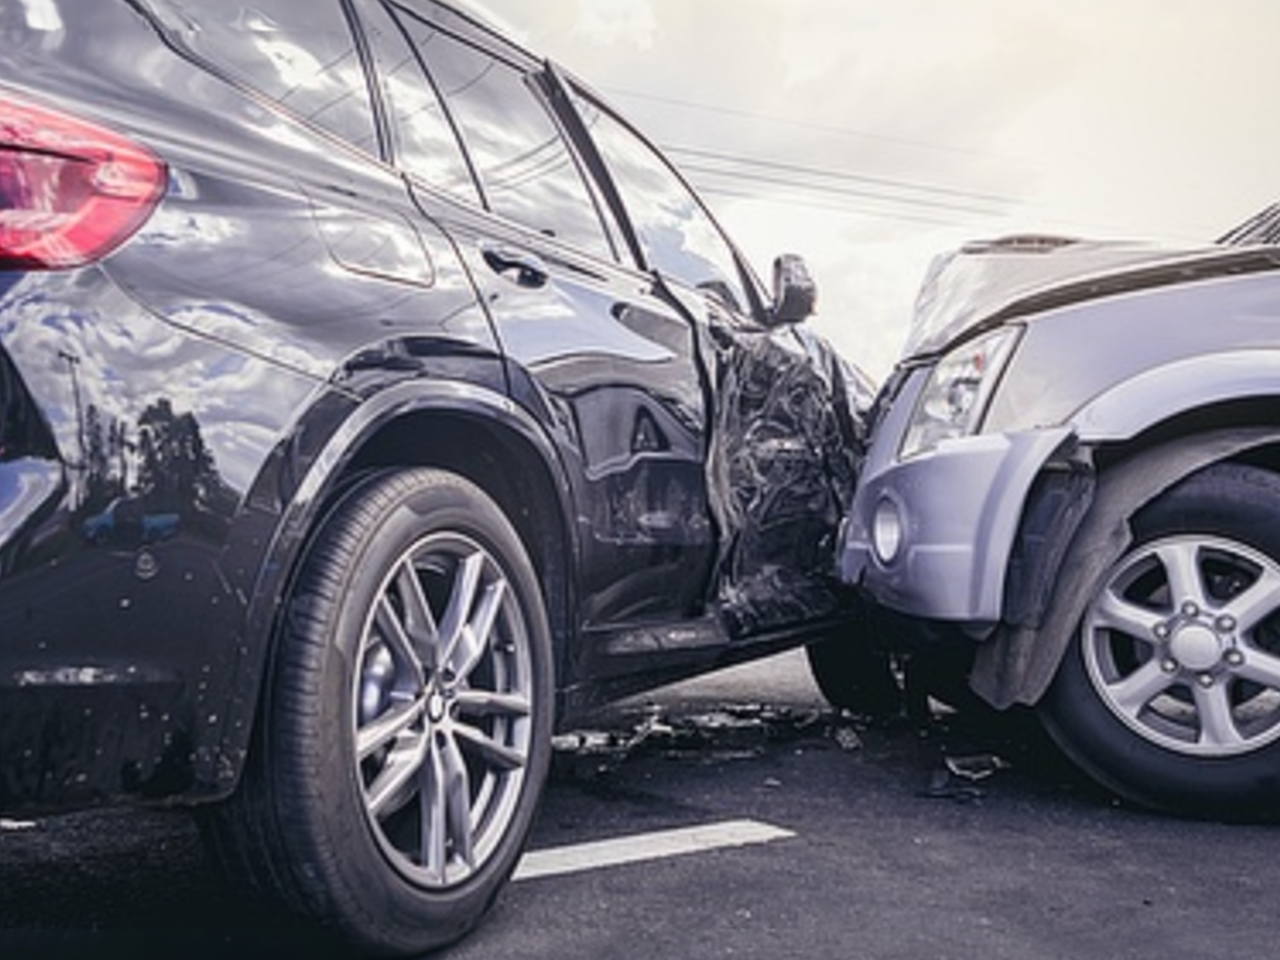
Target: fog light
x=886, y=531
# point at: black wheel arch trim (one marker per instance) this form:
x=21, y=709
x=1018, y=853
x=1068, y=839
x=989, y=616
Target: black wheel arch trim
x=1017, y=664
x=320, y=485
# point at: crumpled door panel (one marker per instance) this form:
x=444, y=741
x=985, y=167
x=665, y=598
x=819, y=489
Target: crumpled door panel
x=785, y=448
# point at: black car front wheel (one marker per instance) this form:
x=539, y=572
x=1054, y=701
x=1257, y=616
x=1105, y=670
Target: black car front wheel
x=406, y=734
x=1170, y=691
x=853, y=667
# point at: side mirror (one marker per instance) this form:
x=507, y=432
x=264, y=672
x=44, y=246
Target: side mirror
x=794, y=292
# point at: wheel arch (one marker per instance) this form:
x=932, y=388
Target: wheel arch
x=1213, y=386
x=506, y=456
x=1114, y=480
x=472, y=431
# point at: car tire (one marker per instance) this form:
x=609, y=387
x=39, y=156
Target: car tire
x=854, y=671
x=1169, y=693
x=406, y=730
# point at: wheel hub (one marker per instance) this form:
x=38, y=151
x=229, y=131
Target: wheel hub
x=1197, y=646
x=1194, y=678
x=444, y=724
x=437, y=706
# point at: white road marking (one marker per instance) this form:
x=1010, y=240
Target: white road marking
x=646, y=846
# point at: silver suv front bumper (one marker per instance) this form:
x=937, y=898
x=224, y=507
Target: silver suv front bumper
x=931, y=536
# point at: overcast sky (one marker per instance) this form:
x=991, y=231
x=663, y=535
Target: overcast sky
x=870, y=134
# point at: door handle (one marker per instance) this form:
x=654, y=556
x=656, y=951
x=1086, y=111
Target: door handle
x=524, y=268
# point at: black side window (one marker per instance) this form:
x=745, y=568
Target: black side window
x=525, y=168
x=677, y=235
x=298, y=52
x=423, y=139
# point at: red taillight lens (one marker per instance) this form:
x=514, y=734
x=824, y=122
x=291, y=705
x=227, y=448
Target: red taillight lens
x=70, y=191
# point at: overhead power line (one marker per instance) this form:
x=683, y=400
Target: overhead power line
x=804, y=124
x=718, y=173
x=826, y=190
x=827, y=173
x=847, y=206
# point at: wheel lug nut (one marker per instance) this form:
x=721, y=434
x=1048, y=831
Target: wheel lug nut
x=1206, y=680
x=1190, y=609
x=1169, y=666
x=1235, y=658
x=1162, y=631
x=1225, y=624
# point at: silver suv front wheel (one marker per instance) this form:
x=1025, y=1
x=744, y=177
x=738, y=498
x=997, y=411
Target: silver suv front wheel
x=1170, y=691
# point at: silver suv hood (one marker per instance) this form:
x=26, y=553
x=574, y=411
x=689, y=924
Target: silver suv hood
x=985, y=283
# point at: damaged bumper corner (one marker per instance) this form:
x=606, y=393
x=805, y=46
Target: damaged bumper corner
x=932, y=536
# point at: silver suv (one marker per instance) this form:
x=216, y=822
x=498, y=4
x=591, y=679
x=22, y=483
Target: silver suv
x=1075, y=475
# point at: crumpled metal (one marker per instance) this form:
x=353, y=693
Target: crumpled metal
x=789, y=440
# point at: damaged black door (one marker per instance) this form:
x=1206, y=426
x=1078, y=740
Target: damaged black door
x=781, y=467
x=781, y=438
x=606, y=366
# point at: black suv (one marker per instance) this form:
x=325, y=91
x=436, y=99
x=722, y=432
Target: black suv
x=372, y=395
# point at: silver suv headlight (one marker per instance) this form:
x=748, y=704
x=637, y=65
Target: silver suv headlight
x=956, y=396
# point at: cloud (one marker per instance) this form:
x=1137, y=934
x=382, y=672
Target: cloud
x=614, y=21
x=485, y=12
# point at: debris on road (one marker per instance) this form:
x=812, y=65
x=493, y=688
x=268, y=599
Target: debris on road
x=847, y=738
x=956, y=779
x=976, y=767
x=725, y=732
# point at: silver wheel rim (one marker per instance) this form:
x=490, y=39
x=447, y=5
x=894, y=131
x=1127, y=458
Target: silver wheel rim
x=443, y=697
x=1183, y=645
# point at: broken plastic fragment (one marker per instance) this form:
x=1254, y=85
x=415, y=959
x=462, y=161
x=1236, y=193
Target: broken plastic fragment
x=955, y=779
x=976, y=767
x=847, y=738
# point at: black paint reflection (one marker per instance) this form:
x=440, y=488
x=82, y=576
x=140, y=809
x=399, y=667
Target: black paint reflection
x=146, y=481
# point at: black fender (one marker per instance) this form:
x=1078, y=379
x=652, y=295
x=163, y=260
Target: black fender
x=305, y=480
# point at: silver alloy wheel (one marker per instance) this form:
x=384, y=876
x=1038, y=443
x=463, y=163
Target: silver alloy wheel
x=1183, y=645
x=442, y=705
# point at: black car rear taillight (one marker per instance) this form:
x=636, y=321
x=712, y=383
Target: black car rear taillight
x=71, y=191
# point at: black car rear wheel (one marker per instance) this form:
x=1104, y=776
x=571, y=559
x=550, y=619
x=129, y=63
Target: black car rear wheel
x=1170, y=691
x=406, y=736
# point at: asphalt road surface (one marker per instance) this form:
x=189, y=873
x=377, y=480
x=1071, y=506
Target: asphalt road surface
x=737, y=817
